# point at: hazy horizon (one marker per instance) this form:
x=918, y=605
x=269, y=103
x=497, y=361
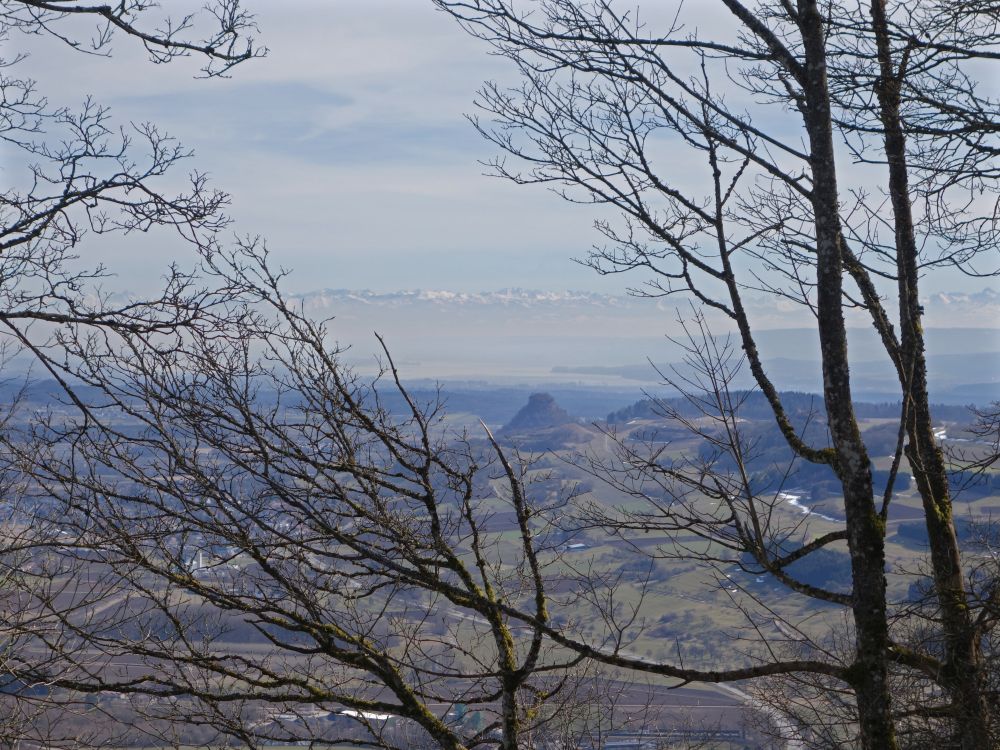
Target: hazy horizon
x=522, y=336
x=347, y=148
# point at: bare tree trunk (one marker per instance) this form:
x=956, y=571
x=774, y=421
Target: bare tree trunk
x=869, y=675
x=962, y=654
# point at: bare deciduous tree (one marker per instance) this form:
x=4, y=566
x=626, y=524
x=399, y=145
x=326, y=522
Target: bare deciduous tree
x=80, y=174
x=252, y=537
x=265, y=540
x=798, y=113
x=233, y=528
x=71, y=172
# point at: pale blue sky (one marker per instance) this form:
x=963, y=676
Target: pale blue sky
x=347, y=148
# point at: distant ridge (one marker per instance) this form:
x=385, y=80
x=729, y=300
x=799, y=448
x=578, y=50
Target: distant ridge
x=586, y=337
x=944, y=309
x=509, y=296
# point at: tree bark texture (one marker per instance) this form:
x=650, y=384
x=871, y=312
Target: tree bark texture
x=869, y=675
x=962, y=656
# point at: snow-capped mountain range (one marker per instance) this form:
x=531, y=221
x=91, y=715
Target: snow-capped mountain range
x=517, y=295
x=537, y=334
x=329, y=298
x=585, y=336
x=943, y=309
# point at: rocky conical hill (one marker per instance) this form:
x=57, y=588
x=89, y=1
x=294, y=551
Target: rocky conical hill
x=541, y=412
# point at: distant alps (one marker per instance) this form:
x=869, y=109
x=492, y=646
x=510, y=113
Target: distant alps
x=943, y=309
x=585, y=336
x=512, y=296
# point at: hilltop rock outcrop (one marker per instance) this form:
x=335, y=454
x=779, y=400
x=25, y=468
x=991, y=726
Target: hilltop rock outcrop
x=542, y=425
x=539, y=413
